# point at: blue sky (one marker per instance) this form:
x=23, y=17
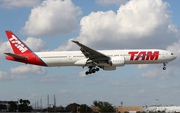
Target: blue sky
x=49, y=25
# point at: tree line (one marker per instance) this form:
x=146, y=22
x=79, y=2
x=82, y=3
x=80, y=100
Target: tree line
x=83, y=108
x=13, y=107
x=24, y=106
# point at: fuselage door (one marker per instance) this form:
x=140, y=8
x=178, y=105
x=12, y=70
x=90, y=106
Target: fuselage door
x=70, y=57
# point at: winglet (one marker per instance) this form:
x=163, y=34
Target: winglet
x=79, y=44
x=75, y=42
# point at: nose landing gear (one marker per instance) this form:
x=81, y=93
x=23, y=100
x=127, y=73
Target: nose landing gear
x=164, y=66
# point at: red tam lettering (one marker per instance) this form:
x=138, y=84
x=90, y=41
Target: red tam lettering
x=132, y=54
x=152, y=56
x=141, y=54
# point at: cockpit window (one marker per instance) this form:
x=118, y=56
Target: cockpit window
x=172, y=54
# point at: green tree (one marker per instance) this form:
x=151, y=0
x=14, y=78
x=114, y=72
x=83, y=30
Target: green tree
x=61, y=109
x=3, y=107
x=95, y=103
x=153, y=112
x=12, y=106
x=24, y=102
x=72, y=107
x=24, y=106
x=105, y=106
x=84, y=108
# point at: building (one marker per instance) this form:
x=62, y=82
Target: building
x=128, y=109
x=156, y=108
x=121, y=109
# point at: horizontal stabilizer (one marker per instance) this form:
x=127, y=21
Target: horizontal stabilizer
x=16, y=56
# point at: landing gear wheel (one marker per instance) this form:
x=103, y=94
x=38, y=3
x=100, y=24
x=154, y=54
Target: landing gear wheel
x=87, y=72
x=97, y=69
x=164, y=68
x=164, y=64
x=91, y=70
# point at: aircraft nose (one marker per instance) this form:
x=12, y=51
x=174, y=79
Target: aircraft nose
x=175, y=57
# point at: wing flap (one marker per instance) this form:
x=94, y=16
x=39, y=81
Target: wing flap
x=16, y=56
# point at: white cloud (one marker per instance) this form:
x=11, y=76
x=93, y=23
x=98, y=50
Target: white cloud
x=173, y=28
x=5, y=47
x=141, y=91
x=143, y=22
x=123, y=83
x=53, y=78
x=90, y=95
x=52, y=17
x=19, y=3
x=175, y=49
x=109, y=2
x=6, y=76
x=33, y=96
x=35, y=44
x=64, y=91
x=97, y=81
x=101, y=75
x=155, y=74
x=28, y=69
x=82, y=74
x=143, y=66
x=69, y=46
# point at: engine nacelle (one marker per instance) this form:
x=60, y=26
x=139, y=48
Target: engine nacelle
x=117, y=61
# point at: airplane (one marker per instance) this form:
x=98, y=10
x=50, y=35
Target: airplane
x=86, y=57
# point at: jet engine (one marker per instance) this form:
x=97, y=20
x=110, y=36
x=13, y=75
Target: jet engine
x=117, y=61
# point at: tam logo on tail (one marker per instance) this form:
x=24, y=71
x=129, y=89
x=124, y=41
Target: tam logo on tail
x=18, y=44
x=22, y=53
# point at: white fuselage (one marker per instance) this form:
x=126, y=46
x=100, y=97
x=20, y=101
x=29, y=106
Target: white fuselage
x=105, y=59
x=77, y=58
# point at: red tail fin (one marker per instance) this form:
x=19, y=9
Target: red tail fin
x=17, y=45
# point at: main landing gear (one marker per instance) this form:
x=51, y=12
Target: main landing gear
x=91, y=70
x=164, y=66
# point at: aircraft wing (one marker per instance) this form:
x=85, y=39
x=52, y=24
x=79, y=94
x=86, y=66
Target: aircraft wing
x=90, y=53
x=16, y=56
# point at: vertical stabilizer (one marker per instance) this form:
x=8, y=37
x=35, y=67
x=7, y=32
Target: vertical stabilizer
x=17, y=45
